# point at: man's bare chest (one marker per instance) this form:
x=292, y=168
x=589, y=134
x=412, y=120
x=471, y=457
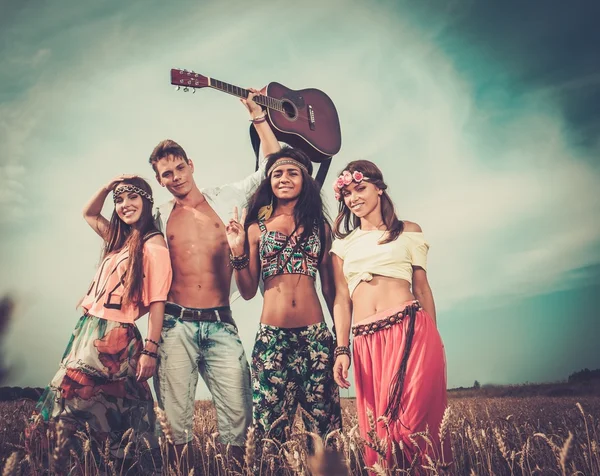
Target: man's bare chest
x=197, y=228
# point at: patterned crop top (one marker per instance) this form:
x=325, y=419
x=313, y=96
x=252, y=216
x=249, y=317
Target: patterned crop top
x=364, y=257
x=281, y=254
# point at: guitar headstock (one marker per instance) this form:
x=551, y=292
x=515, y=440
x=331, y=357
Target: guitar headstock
x=188, y=79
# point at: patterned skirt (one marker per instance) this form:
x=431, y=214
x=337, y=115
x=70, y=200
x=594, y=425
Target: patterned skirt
x=96, y=386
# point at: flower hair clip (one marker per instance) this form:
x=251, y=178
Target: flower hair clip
x=346, y=178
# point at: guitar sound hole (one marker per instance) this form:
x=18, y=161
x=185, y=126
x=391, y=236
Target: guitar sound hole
x=289, y=109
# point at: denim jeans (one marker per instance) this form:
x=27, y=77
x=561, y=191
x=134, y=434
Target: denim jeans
x=214, y=350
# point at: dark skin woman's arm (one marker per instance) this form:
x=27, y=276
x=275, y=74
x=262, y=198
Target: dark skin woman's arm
x=326, y=274
x=241, y=243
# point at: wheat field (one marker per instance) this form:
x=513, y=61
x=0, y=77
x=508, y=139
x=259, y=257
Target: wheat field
x=489, y=436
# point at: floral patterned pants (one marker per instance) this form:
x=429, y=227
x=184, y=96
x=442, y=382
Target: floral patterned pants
x=292, y=366
x=96, y=384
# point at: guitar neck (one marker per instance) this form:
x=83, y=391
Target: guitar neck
x=263, y=100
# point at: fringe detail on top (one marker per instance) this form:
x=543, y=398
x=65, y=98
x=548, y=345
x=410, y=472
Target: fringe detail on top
x=395, y=393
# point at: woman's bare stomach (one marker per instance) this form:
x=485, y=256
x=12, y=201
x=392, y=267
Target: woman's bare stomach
x=379, y=294
x=291, y=301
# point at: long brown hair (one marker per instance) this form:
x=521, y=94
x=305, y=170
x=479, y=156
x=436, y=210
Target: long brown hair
x=121, y=235
x=346, y=221
x=309, y=208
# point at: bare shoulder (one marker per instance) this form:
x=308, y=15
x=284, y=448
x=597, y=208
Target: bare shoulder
x=253, y=231
x=411, y=226
x=157, y=240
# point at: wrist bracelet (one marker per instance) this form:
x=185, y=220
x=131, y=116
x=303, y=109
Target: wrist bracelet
x=154, y=355
x=152, y=342
x=341, y=350
x=260, y=118
x=259, y=121
x=239, y=262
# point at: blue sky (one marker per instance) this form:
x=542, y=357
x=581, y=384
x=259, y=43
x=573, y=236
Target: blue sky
x=479, y=114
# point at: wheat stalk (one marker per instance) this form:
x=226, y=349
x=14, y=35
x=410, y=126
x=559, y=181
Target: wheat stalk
x=564, y=453
x=250, y=450
x=11, y=467
x=161, y=416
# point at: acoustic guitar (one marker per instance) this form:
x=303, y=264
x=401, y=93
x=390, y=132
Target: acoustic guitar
x=304, y=118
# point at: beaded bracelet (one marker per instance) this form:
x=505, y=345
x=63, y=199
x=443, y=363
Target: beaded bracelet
x=152, y=342
x=239, y=262
x=154, y=355
x=341, y=350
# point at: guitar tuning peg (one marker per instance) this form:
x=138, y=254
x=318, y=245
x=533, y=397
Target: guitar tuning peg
x=185, y=90
x=177, y=88
x=194, y=91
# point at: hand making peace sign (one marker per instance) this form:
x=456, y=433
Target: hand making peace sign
x=236, y=234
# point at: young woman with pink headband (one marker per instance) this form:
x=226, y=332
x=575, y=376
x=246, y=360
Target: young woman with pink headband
x=380, y=265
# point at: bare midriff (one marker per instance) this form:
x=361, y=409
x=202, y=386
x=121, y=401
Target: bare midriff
x=379, y=294
x=199, y=257
x=291, y=301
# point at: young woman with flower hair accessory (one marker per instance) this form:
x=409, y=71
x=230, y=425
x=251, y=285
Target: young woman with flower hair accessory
x=285, y=239
x=102, y=379
x=380, y=265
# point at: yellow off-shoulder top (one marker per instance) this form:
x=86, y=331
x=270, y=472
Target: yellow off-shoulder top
x=364, y=257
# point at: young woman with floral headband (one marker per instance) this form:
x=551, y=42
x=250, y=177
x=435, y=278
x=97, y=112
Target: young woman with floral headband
x=286, y=241
x=380, y=267
x=102, y=377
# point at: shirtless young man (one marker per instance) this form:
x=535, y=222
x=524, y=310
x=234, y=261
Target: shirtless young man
x=199, y=334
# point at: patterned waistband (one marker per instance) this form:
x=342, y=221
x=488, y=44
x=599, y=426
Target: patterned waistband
x=292, y=330
x=387, y=322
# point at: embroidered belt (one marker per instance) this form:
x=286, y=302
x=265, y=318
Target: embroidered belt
x=387, y=322
x=215, y=314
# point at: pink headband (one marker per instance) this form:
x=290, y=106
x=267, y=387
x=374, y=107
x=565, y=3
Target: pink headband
x=346, y=178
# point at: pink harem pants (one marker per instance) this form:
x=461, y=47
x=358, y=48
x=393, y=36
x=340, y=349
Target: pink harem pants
x=379, y=344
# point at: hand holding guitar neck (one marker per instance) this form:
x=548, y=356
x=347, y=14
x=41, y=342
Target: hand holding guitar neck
x=254, y=109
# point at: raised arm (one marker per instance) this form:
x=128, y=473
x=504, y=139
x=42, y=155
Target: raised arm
x=342, y=317
x=92, y=211
x=269, y=145
x=244, y=250
x=269, y=142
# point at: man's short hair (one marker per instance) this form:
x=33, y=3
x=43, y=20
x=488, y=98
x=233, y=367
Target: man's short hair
x=164, y=149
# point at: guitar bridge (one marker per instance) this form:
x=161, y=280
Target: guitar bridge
x=311, y=118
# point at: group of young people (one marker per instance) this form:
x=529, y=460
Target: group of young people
x=184, y=264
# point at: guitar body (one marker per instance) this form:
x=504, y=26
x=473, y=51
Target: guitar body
x=309, y=121
x=305, y=119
